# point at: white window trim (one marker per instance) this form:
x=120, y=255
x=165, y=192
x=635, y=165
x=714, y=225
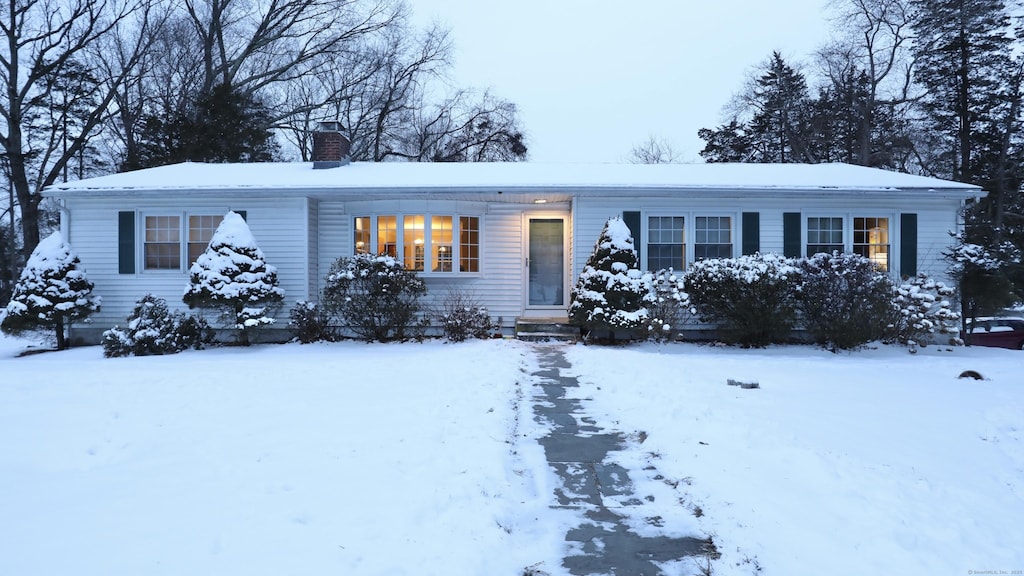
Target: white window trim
x=689, y=230
x=848, y=216
x=427, y=239
x=140, y=238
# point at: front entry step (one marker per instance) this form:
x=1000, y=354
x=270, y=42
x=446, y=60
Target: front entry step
x=546, y=329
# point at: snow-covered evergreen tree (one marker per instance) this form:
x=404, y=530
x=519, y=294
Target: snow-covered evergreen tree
x=52, y=292
x=233, y=275
x=611, y=293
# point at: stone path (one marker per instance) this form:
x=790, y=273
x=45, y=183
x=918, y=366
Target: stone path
x=576, y=449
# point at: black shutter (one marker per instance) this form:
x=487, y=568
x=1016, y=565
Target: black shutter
x=791, y=234
x=751, y=233
x=241, y=213
x=908, y=245
x=632, y=220
x=126, y=242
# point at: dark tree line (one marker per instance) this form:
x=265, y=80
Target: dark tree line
x=95, y=86
x=922, y=86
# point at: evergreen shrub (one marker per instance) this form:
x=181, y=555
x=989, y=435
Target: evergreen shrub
x=611, y=293
x=922, y=311
x=152, y=329
x=845, y=300
x=752, y=299
x=374, y=296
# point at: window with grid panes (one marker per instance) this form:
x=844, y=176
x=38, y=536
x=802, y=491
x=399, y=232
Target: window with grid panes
x=666, y=242
x=712, y=237
x=824, y=235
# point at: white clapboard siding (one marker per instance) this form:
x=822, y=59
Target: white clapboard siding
x=279, y=226
x=499, y=284
x=937, y=217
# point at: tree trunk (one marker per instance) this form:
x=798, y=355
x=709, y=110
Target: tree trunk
x=59, y=329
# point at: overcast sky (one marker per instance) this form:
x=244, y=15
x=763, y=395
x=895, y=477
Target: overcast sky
x=593, y=78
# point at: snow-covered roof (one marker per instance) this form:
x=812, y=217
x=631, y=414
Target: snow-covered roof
x=509, y=176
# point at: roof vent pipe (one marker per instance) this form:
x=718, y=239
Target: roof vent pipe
x=330, y=148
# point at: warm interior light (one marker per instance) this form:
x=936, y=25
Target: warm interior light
x=418, y=241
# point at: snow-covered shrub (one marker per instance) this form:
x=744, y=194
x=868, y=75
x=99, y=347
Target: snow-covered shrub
x=752, y=299
x=233, y=276
x=984, y=275
x=152, y=329
x=611, y=293
x=669, y=304
x=923, y=310
x=52, y=292
x=375, y=296
x=310, y=322
x=845, y=299
x=462, y=317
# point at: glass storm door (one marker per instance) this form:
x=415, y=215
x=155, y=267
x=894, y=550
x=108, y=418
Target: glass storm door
x=546, y=262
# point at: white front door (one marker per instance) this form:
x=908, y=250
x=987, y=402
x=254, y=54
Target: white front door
x=545, y=262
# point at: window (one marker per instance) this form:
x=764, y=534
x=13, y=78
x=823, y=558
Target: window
x=415, y=237
x=469, y=244
x=871, y=240
x=162, y=247
x=200, y=231
x=713, y=237
x=166, y=244
x=441, y=243
x=361, y=235
x=423, y=242
x=824, y=235
x=666, y=244
x=387, y=236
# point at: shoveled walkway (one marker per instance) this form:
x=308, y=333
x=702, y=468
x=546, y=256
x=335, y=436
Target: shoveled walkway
x=576, y=449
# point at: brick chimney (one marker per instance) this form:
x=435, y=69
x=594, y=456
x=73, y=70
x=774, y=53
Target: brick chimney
x=330, y=148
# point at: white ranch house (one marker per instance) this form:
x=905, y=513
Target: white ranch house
x=514, y=235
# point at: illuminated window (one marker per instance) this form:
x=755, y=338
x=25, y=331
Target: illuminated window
x=361, y=235
x=200, y=231
x=162, y=247
x=713, y=237
x=666, y=244
x=387, y=236
x=469, y=244
x=824, y=235
x=414, y=240
x=871, y=240
x=422, y=242
x=441, y=243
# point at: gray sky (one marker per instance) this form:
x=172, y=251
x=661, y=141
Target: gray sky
x=593, y=78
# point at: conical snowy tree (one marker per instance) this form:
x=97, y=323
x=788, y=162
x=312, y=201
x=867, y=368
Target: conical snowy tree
x=611, y=293
x=52, y=292
x=232, y=275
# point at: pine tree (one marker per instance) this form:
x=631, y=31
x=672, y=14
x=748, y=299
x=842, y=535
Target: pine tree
x=52, y=292
x=973, y=106
x=224, y=126
x=233, y=275
x=611, y=293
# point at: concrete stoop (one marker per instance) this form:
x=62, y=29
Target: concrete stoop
x=546, y=330
x=577, y=449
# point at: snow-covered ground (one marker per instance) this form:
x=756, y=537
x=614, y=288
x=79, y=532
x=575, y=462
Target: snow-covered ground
x=421, y=458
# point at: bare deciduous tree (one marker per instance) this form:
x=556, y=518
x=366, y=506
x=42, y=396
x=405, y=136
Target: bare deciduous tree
x=42, y=42
x=653, y=151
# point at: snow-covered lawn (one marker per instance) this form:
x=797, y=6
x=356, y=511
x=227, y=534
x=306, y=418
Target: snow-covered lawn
x=421, y=459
